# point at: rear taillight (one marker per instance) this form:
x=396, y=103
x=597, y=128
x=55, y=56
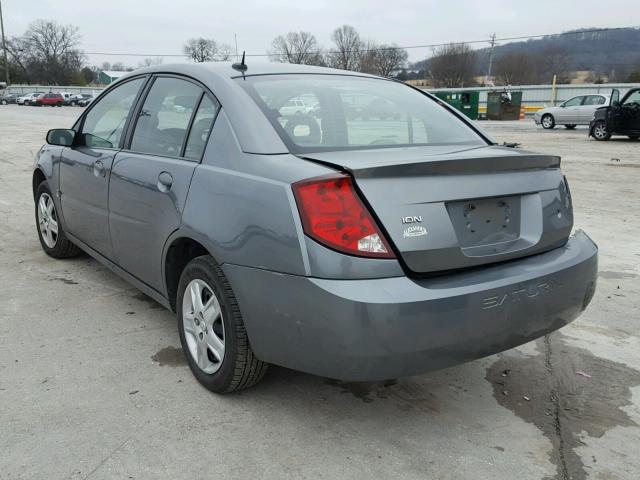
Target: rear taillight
x=333, y=214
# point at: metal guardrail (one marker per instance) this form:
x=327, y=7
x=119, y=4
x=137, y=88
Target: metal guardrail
x=24, y=89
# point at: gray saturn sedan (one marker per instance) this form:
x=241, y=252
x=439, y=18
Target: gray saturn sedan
x=372, y=233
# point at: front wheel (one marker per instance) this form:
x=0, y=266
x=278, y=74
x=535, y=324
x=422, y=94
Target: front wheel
x=600, y=131
x=53, y=240
x=4, y=102
x=570, y=127
x=212, y=332
x=548, y=121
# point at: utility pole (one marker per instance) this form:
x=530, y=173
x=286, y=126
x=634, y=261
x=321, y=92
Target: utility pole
x=4, y=47
x=493, y=44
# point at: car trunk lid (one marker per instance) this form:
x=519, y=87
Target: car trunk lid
x=452, y=207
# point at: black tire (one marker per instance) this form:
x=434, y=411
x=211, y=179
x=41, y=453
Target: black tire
x=570, y=127
x=73, y=103
x=63, y=247
x=4, y=102
x=634, y=137
x=600, y=131
x=240, y=368
x=547, y=121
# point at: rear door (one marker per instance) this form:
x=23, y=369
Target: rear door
x=150, y=179
x=85, y=167
x=588, y=108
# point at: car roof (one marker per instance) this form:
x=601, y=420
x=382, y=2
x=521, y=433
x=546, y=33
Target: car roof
x=225, y=69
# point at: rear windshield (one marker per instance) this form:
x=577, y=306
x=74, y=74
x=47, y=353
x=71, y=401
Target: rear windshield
x=339, y=112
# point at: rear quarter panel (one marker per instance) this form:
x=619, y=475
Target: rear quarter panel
x=241, y=206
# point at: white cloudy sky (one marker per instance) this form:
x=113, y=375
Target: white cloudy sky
x=155, y=28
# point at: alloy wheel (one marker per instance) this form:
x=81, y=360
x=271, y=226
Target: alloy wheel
x=547, y=122
x=203, y=326
x=600, y=130
x=48, y=220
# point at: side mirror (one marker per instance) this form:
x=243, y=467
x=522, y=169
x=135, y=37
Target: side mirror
x=61, y=136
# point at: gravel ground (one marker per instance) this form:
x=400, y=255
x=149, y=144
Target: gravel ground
x=92, y=384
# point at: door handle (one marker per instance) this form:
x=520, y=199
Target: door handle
x=165, y=180
x=98, y=168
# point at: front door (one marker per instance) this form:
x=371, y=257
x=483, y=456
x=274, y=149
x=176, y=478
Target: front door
x=570, y=111
x=150, y=179
x=85, y=167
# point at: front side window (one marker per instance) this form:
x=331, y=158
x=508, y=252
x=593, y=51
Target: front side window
x=104, y=123
x=164, y=119
x=574, y=102
x=339, y=112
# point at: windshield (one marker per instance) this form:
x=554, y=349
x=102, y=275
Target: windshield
x=340, y=112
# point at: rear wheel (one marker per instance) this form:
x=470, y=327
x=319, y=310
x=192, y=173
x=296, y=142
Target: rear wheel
x=600, y=131
x=4, y=102
x=212, y=332
x=570, y=127
x=548, y=121
x=53, y=240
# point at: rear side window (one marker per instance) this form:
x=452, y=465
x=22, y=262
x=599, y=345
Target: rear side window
x=163, y=121
x=594, y=100
x=199, y=133
x=104, y=124
x=338, y=112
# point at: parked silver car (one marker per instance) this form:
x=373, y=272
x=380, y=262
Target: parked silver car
x=357, y=249
x=575, y=111
x=28, y=99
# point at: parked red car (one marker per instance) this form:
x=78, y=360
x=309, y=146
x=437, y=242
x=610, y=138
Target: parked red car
x=53, y=99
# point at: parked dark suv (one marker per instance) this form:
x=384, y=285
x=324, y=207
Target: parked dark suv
x=621, y=117
x=353, y=249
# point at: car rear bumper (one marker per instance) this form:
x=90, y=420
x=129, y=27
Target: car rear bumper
x=365, y=330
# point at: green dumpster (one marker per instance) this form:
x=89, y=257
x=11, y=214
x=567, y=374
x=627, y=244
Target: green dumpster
x=466, y=102
x=504, y=105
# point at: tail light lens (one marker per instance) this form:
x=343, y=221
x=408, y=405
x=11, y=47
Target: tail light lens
x=333, y=214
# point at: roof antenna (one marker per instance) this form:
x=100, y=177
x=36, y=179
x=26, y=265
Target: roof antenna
x=241, y=67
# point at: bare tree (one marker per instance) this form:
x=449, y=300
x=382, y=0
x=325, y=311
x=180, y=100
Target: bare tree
x=296, y=47
x=200, y=49
x=381, y=59
x=224, y=53
x=553, y=61
x=389, y=58
x=453, y=65
x=516, y=68
x=50, y=51
x=118, y=67
x=19, y=59
x=149, y=62
x=346, y=49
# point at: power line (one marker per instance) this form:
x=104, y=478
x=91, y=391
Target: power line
x=489, y=40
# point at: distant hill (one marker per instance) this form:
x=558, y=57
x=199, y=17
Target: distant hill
x=613, y=54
